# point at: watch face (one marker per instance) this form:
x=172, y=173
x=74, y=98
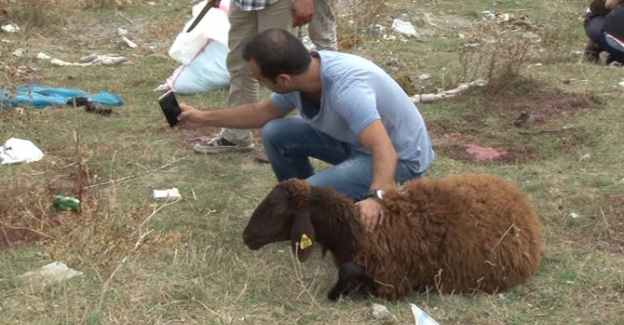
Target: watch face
x=380, y=194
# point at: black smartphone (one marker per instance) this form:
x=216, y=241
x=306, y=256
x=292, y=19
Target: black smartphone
x=170, y=107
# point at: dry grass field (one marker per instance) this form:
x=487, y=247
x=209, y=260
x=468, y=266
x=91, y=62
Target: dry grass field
x=550, y=122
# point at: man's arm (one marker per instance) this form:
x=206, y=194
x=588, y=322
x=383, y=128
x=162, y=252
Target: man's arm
x=375, y=138
x=248, y=116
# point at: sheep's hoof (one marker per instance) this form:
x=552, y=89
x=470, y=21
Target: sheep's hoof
x=333, y=294
x=349, y=275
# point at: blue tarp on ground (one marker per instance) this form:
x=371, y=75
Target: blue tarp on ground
x=40, y=96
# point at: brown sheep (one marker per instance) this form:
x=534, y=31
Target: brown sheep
x=464, y=233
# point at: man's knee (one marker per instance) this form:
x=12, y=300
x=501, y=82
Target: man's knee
x=272, y=130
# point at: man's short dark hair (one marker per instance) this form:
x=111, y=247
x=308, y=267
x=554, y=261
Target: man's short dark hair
x=276, y=51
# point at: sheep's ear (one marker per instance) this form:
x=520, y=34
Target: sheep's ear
x=302, y=236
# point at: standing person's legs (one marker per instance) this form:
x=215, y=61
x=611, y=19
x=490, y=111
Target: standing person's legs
x=244, y=25
x=322, y=28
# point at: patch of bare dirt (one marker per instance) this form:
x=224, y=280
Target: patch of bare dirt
x=508, y=120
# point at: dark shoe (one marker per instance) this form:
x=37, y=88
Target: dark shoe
x=592, y=52
x=220, y=144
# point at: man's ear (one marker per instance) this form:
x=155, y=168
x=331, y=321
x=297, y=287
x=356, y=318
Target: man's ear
x=302, y=235
x=284, y=80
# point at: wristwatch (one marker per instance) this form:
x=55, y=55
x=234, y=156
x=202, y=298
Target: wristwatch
x=376, y=193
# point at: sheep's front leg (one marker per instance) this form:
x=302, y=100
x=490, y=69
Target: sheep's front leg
x=349, y=275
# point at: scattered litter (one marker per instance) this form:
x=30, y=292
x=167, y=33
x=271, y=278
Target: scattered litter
x=421, y=317
x=621, y=84
x=91, y=107
x=202, y=52
x=404, y=27
x=574, y=215
x=428, y=20
x=40, y=96
x=585, y=157
x=471, y=45
x=491, y=15
x=171, y=193
x=10, y=28
x=375, y=30
x=488, y=14
x=53, y=272
x=128, y=42
x=430, y=98
x=18, y=150
x=4, y=40
x=93, y=59
x=122, y=32
x=621, y=182
x=380, y=311
x=386, y=37
x=20, y=53
x=534, y=65
x=424, y=76
x=66, y=203
x=43, y=56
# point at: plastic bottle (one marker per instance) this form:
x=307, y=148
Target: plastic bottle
x=66, y=203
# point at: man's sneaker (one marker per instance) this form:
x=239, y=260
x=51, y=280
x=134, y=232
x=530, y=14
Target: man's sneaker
x=220, y=144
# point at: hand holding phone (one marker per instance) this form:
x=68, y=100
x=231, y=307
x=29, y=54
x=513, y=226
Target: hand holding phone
x=170, y=107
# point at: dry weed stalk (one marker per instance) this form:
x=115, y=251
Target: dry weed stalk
x=353, y=16
x=50, y=13
x=497, y=54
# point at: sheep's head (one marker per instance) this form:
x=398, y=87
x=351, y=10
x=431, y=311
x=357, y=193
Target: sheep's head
x=280, y=216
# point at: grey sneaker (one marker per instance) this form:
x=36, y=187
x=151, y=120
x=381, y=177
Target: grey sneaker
x=220, y=144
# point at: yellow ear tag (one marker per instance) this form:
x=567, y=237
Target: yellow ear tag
x=305, y=242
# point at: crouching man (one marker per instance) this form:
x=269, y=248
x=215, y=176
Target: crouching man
x=352, y=115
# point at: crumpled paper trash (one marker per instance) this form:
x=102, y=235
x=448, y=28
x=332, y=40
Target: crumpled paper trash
x=404, y=27
x=380, y=311
x=10, y=28
x=92, y=59
x=53, y=272
x=420, y=317
x=18, y=150
x=171, y=193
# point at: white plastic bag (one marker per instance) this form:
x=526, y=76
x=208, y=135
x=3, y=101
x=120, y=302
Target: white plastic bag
x=202, y=52
x=207, y=72
x=420, y=317
x=18, y=150
x=214, y=26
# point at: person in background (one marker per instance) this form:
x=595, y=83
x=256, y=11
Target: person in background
x=322, y=28
x=352, y=115
x=247, y=19
x=604, y=26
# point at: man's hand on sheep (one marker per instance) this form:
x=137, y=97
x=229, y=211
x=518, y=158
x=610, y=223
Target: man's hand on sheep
x=371, y=213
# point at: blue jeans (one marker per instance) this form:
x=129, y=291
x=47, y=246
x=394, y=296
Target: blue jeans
x=289, y=143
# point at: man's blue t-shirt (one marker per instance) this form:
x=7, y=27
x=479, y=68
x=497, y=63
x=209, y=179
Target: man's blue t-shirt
x=356, y=92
